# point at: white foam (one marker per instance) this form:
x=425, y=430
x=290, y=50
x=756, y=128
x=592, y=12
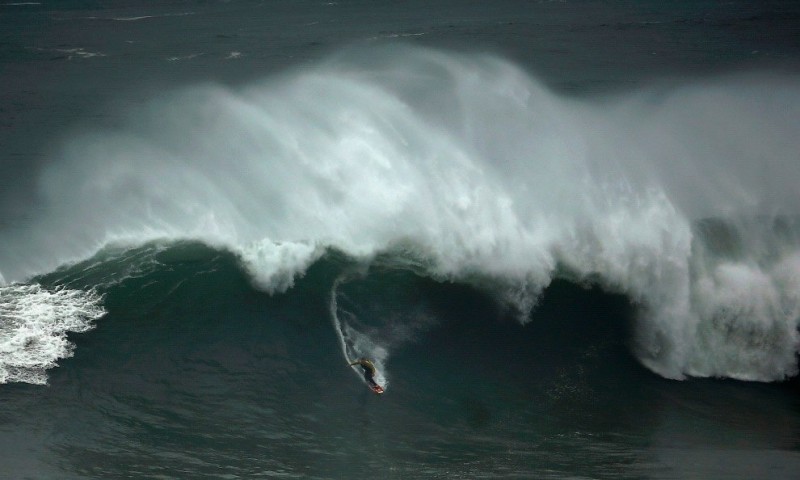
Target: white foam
x=473, y=168
x=132, y=19
x=184, y=57
x=34, y=323
x=79, y=52
x=746, y=318
x=275, y=266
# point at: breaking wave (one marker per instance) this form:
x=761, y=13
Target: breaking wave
x=467, y=169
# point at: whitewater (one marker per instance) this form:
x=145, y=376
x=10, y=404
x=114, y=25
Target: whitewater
x=465, y=168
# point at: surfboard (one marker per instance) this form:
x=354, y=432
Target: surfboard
x=376, y=388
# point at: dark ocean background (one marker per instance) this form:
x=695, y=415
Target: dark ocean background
x=567, y=233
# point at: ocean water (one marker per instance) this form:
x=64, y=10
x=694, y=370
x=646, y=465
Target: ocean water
x=567, y=234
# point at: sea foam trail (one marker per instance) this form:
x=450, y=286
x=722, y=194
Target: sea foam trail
x=477, y=172
x=355, y=343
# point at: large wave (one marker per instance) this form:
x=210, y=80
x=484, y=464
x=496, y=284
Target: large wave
x=476, y=172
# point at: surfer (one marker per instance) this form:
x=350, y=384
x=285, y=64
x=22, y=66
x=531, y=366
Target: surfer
x=369, y=370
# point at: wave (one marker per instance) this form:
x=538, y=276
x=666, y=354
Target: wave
x=470, y=170
x=136, y=18
x=145, y=17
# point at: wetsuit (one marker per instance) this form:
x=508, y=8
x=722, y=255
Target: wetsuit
x=369, y=370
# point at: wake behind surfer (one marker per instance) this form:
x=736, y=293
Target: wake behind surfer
x=369, y=370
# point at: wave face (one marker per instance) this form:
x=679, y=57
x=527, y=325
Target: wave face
x=682, y=198
x=193, y=373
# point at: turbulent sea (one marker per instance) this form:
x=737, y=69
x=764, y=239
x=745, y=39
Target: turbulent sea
x=567, y=234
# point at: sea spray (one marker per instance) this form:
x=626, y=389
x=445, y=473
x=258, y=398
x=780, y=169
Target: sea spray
x=356, y=343
x=481, y=174
x=372, y=321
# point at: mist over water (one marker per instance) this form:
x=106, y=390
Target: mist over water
x=682, y=197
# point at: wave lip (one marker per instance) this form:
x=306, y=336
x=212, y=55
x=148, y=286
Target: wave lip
x=34, y=323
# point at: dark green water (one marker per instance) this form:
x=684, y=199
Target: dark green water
x=193, y=374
